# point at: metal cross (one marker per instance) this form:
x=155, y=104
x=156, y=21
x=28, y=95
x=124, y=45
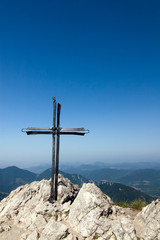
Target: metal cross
x=56, y=131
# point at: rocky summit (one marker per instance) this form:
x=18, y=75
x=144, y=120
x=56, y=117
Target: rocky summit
x=79, y=214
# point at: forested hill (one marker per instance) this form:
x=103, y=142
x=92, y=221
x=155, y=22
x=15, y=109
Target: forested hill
x=122, y=193
x=117, y=192
x=13, y=177
x=146, y=180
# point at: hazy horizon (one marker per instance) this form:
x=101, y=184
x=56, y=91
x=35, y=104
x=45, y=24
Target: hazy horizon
x=78, y=163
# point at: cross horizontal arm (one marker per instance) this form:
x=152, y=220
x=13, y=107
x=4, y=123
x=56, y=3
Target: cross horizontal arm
x=38, y=132
x=72, y=129
x=50, y=132
x=73, y=133
x=35, y=128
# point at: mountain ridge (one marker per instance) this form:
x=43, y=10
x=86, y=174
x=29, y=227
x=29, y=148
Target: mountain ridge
x=117, y=192
x=149, y=179
x=12, y=177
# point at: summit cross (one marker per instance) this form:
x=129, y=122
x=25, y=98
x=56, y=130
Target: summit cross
x=56, y=131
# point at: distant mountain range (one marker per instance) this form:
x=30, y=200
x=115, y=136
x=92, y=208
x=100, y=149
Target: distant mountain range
x=72, y=167
x=13, y=177
x=119, y=165
x=146, y=180
x=144, y=176
x=74, y=178
x=122, y=193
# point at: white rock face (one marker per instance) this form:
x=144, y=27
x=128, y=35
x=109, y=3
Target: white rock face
x=29, y=209
x=93, y=215
x=54, y=230
x=79, y=214
x=147, y=222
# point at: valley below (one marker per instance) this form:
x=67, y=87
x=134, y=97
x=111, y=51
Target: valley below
x=122, y=185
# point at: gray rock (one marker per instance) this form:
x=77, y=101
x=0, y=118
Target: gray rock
x=33, y=236
x=147, y=222
x=91, y=215
x=67, y=191
x=84, y=214
x=54, y=230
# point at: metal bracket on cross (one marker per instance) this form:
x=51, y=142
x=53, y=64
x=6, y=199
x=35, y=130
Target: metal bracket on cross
x=56, y=131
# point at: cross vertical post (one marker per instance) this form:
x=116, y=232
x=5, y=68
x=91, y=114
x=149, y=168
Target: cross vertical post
x=52, y=194
x=55, y=131
x=57, y=149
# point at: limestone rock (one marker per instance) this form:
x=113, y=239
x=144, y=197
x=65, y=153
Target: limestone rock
x=33, y=236
x=54, y=230
x=67, y=191
x=29, y=208
x=147, y=222
x=79, y=214
x=92, y=214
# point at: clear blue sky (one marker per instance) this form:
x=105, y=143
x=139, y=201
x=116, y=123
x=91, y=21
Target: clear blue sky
x=100, y=59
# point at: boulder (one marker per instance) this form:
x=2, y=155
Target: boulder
x=93, y=215
x=147, y=222
x=79, y=214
